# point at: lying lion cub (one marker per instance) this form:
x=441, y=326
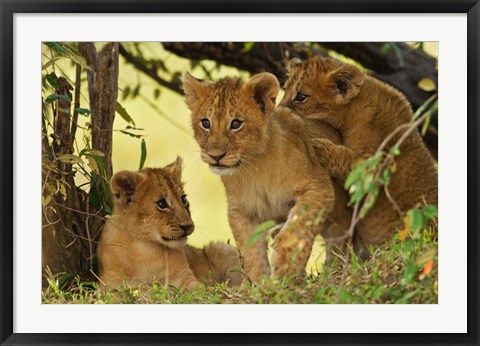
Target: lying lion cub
x=146, y=239
x=268, y=165
x=365, y=111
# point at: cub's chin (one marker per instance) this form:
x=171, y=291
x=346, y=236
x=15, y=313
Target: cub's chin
x=173, y=243
x=220, y=170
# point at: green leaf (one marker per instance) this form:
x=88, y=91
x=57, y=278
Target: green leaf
x=68, y=52
x=375, y=277
x=385, y=177
x=427, y=84
x=69, y=158
x=92, y=163
x=369, y=201
x=100, y=165
x=409, y=273
x=52, y=80
x=396, y=48
x=394, y=151
x=247, y=46
x=378, y=292
x=354, y=176
x=92, y=152
x=416, y=221
x=126, y=92
x=95, y=199
x=346, y=298
x=136, y=91
x=143, y=155
x=385, y=49
x=131, y=134
x=430, y=211
x=124, y=114
x=83, y=111
x=56, y=46
x=409, y=246
x=399, y=54
x=49, y=63
x=426, y=123
x=259, y=231
x=54, y=97
x=424, y=106
x=416, y=218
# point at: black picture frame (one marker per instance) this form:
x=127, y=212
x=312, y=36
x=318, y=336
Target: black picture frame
x=7, y=176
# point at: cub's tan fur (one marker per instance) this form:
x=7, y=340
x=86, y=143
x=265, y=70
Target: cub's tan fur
x=365, y=111
x=146, y=239
x=268, y=166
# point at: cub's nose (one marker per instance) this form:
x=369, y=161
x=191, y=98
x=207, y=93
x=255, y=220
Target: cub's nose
x=218, y=157
x=186, y=228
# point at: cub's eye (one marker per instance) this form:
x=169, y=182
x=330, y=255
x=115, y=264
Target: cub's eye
x=236, y=124
x=184, y=200
x=205, y=123
x=162, y=204
x=300, y=98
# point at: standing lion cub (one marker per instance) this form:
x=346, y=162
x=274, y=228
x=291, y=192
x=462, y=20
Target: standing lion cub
x=268, y=165
x=146, y=239
x=365, y=111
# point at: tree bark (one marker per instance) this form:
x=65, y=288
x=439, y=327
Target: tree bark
x=70, y=224
x=103, y=110
x=103, y=93
x=61, y=246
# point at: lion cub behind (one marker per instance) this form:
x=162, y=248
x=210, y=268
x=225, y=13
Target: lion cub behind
x=146, y=239
x=365, y=111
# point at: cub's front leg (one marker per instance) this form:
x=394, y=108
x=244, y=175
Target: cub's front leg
x=293, y=244
x=184, y=279
x=254, y=256
x=178, y=272
x=335, y=158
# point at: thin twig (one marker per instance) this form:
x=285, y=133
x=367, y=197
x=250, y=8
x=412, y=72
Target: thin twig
x=90, y=246
x=390, y=198
x=76, y=105
x=149, y=72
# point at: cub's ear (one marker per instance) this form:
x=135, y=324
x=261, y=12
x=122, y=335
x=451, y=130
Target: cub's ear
x=346, y=82
x=124, y=185
x=295, y=62
x=175, y=169
x=195, y=89
x=264, y=88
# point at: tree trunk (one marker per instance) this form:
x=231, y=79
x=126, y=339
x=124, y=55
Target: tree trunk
x=61, y=246
x=71, y=226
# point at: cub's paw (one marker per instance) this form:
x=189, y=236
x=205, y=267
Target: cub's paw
x=289, y=257
x=192, y=285
x=323, y=146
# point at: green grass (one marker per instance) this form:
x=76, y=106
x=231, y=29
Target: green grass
x=398, y=272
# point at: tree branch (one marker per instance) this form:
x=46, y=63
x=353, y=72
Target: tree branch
x=272, y=56
x=175, y=86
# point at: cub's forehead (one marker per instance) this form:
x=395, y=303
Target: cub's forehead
x=160, y=179
x=311, y=68
x=226, y=88
x=226, y=97
x=227, y=85
x=321, y=64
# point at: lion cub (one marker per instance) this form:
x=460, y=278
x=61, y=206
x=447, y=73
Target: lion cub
x=146, y=239
x=365, y=111
x=268, y=165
